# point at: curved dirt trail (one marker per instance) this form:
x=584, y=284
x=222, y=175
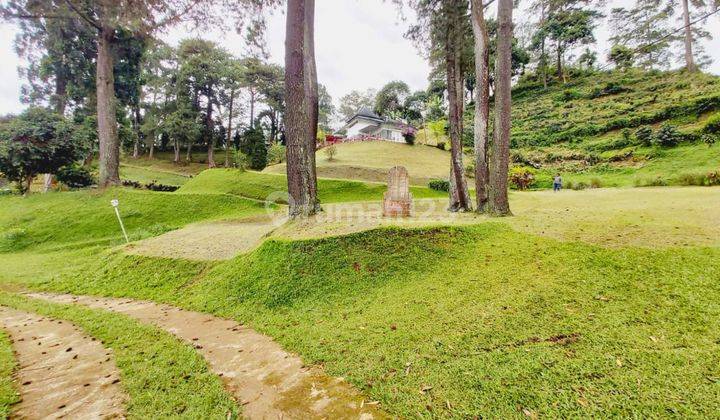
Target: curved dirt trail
x=63, y=373
x=267, y=381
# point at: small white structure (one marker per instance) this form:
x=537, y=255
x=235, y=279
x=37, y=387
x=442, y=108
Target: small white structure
x=367, y=124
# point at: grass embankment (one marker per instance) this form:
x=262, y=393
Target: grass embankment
x=86, y=218
x=260, y=186
x=8, y=393
x=163, y=377
x=371, y=161
x=467, y=321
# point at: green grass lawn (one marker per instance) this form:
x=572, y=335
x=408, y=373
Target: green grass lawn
x=85, y=218
x=462, y=321
x=371, y=161
x=8, y=393
x=259, y=186
x=485, y=320
x=163, y=377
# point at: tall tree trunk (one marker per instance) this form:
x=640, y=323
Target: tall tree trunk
x=689, y=60
x=459, y=197
x=499, y=158
x=482, y=103
x=176, y=145
x=109, y=150
x=188, y=155
x=228, y=142
x=209, y=129
x=136, y=130
x=300, y=85
x=151, y=153
x=28, y=184
x=559, y=64
x=543, y=56
x=252, y=108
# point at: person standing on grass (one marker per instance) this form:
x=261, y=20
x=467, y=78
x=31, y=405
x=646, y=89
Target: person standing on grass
x=557, y=183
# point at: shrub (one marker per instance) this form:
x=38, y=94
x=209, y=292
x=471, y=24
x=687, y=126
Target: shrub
x=653, y=182
x=713, y=178
x=242, y=161
x=330, y=152
x=644, y=136
x=470, y=169
x=439, y=185
x=408, y=134
x=132, y=184
x=276, y=154
x=75, y=176
x=691, y=179
x=579, y=186
x=253, y=145
x=595, y=183
x=708, y=139
x=712, y=125
x=440, y=145
x=522, y=177
x=154, y=186
x=667, y=136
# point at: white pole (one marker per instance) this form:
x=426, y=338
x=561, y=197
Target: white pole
x=115, y=204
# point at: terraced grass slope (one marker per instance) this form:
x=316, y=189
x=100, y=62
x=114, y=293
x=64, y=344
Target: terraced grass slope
x=593, y=105
x=260, y=186
x=371, y=161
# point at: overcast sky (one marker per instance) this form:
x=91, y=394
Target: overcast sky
x=359, y=45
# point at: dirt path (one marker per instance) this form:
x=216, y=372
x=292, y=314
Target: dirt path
x=267, y=381
x=62, y=372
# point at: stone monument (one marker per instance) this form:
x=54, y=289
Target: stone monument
x=397, y=201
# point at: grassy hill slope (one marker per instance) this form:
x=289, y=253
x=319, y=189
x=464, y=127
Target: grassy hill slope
x=576, y=129
x=371, y=161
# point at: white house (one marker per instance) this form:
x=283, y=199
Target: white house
x=367, y=124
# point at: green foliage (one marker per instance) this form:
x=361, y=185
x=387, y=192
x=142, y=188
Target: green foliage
x=330, y=152
x=621, y=56
x=522, y=177
x=391, y=98
x=644, y=136
x=709, y=139
x=38, y=141
x=276, y=154
x=75, y=176
x=712, y=125
x=439, y=185
x=242, y=161
x=667, y=136
x=253, y=145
